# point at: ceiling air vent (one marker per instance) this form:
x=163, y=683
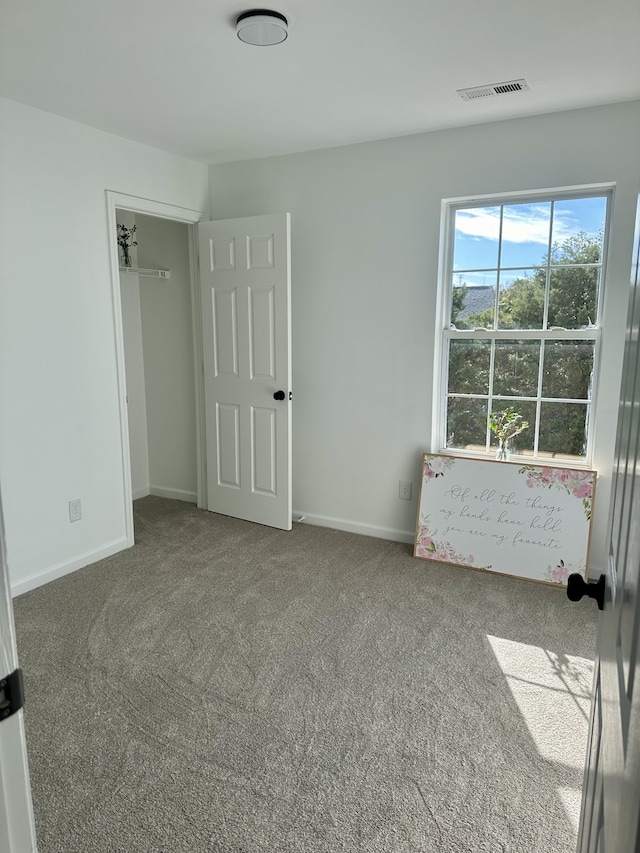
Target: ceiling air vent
x=489, y=91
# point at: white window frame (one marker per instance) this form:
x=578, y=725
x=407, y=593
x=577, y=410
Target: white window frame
x=444, y=332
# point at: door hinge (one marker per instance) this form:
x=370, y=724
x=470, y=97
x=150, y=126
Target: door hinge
x=11, y=694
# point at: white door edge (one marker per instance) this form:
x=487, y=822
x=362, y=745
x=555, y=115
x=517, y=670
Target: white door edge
x=198, y=367
x=17, y=827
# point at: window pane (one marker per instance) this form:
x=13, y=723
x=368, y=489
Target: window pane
x=573, y=297
x=567, y=369
x=522, y=443
x=466, y=423
x=472, y=306
x=521, y=299
x=476, y=236
x=578, y=225
x=469, y=367
x=525, y=234
x=515, y=371
x=563, y=429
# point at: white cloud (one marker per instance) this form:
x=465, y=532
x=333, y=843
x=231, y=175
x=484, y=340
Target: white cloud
x=522, y=224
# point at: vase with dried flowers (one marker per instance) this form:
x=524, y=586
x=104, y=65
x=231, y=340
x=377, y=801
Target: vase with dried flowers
x=505, y=425
x=126, y=242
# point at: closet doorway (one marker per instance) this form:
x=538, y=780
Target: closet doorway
x=158, y=332
x=157, y=325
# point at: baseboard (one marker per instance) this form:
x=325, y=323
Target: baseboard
x=62, y=569
x=174, y=494
x=390, y=533
x=140, y=493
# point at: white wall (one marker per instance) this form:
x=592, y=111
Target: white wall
x=59, y=421
x=167, y=341
x=365, y=232
x=136, y=397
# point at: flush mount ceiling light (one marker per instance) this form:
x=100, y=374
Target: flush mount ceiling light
x=261, y=27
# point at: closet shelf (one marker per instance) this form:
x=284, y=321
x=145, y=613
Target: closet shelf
x=149, y=273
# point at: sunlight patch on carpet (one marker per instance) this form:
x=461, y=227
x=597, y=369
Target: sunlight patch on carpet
x=553, y=693
x=571, y=799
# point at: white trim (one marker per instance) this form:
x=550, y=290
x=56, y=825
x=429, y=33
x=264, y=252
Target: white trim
x=62, y=569
x=17, y=828
x=375, y=530
x=444, y=333
x=141, y=493
x=116, y=304
x=529, y=195
x=592, y=334
x=441, y=316
x=596, y=375
x=198, y=365
x=134, y=204
x=544, y=461
x=173, y=494
x=137, y=204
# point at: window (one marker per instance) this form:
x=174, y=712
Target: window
x=523, y=283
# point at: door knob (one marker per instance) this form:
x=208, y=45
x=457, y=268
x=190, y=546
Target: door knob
x=577, y=587
x=279, y=395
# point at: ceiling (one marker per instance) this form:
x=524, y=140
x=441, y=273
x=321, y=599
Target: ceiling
x=172, y=73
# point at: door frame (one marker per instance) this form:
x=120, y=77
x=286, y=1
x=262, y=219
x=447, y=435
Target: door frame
x=17, y=825
x=190, y=217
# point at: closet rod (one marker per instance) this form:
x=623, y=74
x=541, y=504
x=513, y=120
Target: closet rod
x=150, y=273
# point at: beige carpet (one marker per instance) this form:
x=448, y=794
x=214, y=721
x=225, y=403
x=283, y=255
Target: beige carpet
x=227, y=687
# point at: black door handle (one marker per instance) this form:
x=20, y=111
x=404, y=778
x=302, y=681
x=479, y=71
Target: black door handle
x=577, y=587
x=279, y=395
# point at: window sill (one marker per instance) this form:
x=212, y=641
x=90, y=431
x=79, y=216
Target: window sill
x=520, y=459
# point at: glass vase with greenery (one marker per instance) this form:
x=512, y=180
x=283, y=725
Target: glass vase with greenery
x=126, y=242
x=505, y=425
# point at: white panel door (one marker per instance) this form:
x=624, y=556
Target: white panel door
x=17, y=831
x=610, y=821
x=245, y=284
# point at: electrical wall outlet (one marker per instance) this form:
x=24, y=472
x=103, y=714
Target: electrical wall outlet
x=75, y=510
x=404, y=490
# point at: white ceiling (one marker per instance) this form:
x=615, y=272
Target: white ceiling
x=172, y=73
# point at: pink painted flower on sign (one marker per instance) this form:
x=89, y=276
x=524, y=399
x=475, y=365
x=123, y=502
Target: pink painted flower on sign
x=584, y=490
x=560, y=573
x=441, y=550
x=435, y=466
x=425, y=546
x=576, y=483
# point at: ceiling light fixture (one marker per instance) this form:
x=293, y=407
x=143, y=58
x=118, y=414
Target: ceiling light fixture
x=261, y=27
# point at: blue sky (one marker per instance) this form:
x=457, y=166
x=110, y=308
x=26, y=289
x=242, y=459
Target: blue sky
x=525, y=236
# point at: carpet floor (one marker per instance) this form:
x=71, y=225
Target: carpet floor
x=228, y=687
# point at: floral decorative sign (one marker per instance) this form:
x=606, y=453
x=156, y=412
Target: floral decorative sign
x=528, y=521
